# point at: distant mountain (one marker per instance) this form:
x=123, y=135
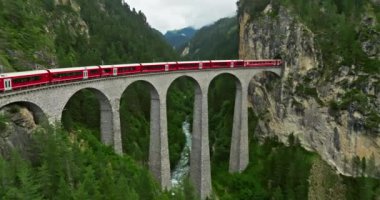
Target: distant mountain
x=178, y=38
x=215, y=41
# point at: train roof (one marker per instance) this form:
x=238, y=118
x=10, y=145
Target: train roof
x=157, y=63
x=73, y=69
x=188, y=62
x=121, y=65
x=262, y=60
x=206, y=61
x=24, y=73
x=221, y=61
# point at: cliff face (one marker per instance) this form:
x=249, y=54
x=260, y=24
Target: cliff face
x=17, y=125
x=300, y=103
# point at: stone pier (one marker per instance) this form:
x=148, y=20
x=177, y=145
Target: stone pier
x=200, y=172
x=239, y=155
x=159, y=163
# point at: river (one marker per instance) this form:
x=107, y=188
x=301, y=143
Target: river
x=181, y=170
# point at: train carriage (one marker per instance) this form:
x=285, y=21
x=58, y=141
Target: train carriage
x=237, y=63
x=171, y=66
x=74, y=73
x=125, y=69
x=189, y=65
x=108, y=70
x=262, y=63
x=205, y=64
x=93, y=72
x=222, y=64
x=154, y=67
x=17, y=80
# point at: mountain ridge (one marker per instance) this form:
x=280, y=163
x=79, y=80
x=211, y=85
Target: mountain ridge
x=177, y=38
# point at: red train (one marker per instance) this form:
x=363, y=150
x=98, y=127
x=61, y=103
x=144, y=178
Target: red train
x=20, y=80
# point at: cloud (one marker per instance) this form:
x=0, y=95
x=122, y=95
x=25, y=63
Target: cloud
x=167, y=15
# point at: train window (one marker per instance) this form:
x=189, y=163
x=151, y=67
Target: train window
x=67, y=74
x=107, y=70
x=94, y=71
x=188, y=65
x=26, y=79
x=126, y=69
x=155, y=67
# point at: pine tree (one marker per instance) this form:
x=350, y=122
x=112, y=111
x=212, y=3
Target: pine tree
x=90, y=183
x=277, y=195
x=44, y=178
x=356, y=165
x=371, y=166
x=64, y=192
x=363, y=166
x=365, y=188
x=25, y=185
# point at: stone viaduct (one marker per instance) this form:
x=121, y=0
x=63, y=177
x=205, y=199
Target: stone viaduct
x=50, y=101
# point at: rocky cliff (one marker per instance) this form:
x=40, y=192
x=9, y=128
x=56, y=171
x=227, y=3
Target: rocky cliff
x=17, y=123
x=332, y=112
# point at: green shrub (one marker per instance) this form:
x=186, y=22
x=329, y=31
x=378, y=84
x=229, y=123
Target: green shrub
x=14, y=109
x=3, y=122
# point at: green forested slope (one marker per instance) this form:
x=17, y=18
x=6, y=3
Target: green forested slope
x=216, y=41
x=66, y=167
x=23, y=41
x=117, y=35
x=76, y=33
x=75, y=166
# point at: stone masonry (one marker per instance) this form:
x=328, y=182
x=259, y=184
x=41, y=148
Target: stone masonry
x=50, y=100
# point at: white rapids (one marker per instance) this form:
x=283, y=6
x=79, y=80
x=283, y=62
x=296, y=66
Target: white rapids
x=181, y=170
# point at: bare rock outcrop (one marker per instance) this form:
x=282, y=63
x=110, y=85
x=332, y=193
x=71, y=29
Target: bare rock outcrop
x=299, y=102
x=18, y=123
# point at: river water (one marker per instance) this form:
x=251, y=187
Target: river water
x=181, y=170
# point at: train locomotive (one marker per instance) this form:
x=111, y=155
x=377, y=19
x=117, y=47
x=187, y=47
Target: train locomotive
x=22, y=80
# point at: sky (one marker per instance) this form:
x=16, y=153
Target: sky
x=165, y=15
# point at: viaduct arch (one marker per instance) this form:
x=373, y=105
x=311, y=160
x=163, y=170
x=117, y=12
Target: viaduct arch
x=106, y=127
x=52, y=99
x=38, y=114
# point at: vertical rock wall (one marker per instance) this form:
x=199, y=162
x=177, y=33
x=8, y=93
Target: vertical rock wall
x=298, y=103
x=18, y=123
